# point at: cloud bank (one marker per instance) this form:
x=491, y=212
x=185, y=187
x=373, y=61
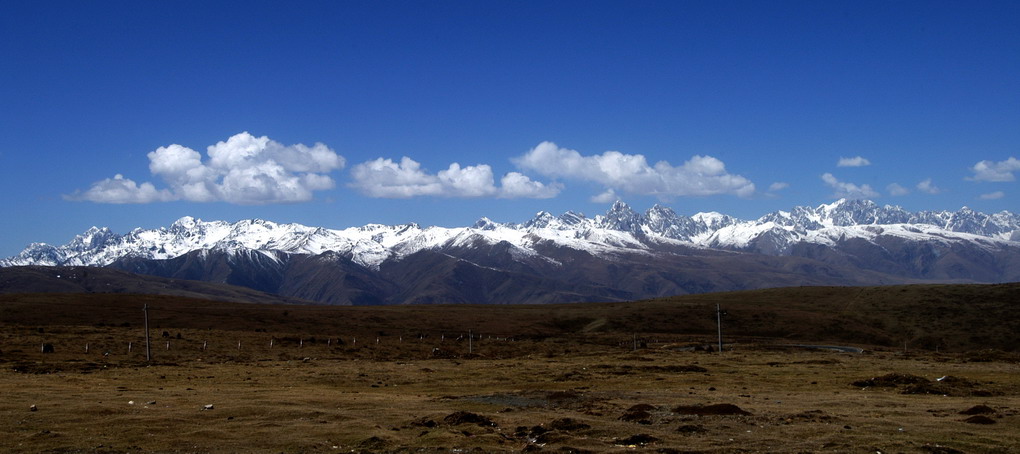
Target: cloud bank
x=384, y=178
x=995, y=171
x=618, y=172
x=244, y=170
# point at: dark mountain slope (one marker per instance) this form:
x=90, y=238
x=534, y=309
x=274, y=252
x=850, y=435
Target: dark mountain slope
x=78, y=279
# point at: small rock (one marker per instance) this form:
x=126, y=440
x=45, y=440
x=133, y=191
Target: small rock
x=568, y=424
x=638, y=416
x=636, y=440
x=979, y=419
x=33, y=408
x=208, y=407
x=978, y=410
x=375, y=444
x=425, y=422
x=714, y=409
x=690, y=429
x=151, y=402
x=464, y=417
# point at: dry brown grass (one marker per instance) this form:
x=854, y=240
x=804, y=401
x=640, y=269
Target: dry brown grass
x=799, y=401
x=567, y=380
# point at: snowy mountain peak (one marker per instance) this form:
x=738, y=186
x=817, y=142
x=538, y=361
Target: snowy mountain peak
x=542, y=219
x=571, y=218
x=94, y=237
x=620, y=206
x=622, y=217
x=485, y=224
x=185, y=222
x=714, y=220
x=661, y=215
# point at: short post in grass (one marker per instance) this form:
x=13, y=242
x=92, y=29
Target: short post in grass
x=718, y=322
x=148, y=346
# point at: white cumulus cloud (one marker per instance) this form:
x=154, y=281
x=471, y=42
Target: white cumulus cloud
x=609, y=196
x=928, y=187
x=848, y=190
x=896, y=190
x=619, y=172
x=778, y=186
x=995, y=171
x=244, y=169
x=385, y=178
x=855, y=161
x=122, y=190
x=516, y=185
x=993, y=195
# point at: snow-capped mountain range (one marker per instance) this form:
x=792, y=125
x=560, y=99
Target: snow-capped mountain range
x=872, y=238
x=620, y=228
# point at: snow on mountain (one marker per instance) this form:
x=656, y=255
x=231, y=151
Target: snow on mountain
x=620, y=230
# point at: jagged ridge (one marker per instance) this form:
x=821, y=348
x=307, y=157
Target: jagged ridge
x=620, y=255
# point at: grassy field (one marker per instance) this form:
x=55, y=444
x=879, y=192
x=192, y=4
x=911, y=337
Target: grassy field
x=571, y=378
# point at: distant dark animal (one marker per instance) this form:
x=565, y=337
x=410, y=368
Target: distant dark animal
x=47, y=348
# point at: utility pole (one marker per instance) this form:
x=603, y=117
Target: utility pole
x=471, y=338
x=148, y=350
x=718, y=323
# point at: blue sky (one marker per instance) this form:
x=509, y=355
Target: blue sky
x=339, y=114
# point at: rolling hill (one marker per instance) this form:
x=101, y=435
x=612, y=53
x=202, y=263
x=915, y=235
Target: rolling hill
x=931, y=317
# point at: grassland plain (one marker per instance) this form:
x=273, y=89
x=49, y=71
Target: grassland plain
x=570, y=378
